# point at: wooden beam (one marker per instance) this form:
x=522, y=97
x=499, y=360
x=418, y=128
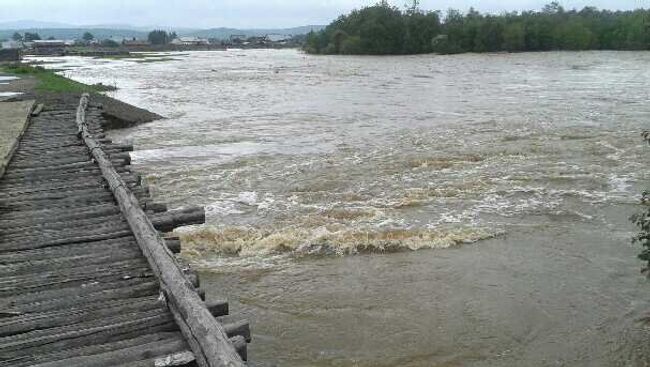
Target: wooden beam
x=205, y=336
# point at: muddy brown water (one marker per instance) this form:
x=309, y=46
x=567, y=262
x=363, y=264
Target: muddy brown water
x=466, y=210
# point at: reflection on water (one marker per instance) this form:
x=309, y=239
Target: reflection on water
x=535, y=159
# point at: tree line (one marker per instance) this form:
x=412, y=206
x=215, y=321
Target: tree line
x=384, y=29
x=155, y=37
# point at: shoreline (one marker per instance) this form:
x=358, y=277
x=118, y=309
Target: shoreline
x=46, y=86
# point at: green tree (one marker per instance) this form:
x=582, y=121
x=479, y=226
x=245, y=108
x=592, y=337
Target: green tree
x=109, y=43
x=29, y=37
x=382, y=29
x=17, y=37
x=87, y=36
x=158, y=37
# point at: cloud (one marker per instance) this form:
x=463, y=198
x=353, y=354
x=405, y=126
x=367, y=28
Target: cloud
x=243, y=13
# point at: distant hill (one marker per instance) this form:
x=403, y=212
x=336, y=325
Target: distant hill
x=67, y=31
x=76, y=33
x=27, y=24
x=225, y=33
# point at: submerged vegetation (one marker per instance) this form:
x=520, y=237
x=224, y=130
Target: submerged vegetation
x=383, y=29
x=49, y=81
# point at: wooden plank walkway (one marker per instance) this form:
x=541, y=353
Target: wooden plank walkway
x=85, y=279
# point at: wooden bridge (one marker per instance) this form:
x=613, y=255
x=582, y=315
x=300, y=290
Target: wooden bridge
x=86, y=276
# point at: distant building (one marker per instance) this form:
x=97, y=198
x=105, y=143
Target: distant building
x=277, y=37
x=49, y=47
x=237, y=38
x=190, y=41
x=256, y=41
x=12, y=44
x=135, y=43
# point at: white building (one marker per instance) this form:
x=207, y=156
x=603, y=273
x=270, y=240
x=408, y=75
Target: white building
x=190, y=41
x=277, y=37
x=12, y=44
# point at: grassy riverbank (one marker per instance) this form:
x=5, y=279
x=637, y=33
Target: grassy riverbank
x=49, y=81
x=43, y=85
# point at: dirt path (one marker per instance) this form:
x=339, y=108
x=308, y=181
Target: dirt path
x=12, y=125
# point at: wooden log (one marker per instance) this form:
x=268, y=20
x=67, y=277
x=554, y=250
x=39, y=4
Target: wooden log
x=86, y=333
x=35, y=227
x=181, y=359
x=69, y=262
x=241, y=328
x=90, y=201
x=217, y=308
x=77, y=200
x=169, y=220
x=40, y=214
x=57, y=182
x=174, y=245
x=71, y=252
x=21, y=245
x=37, y=111
x=193, y=277
x=97, y=349
x=125, y=156
x=67, y=177
x=74, y=315
x=205, y=336
x=74, y=192
x=81, y=194
x=125, y=269
x=120, y=147
x=29, y=163
x=239, y=342
x=156, y=207
x=157, y=352
x=49, y=170
x=74, y=296
x=201, y=293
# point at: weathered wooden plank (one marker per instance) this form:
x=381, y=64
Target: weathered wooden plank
x=125, y=269
x=97, y=291
x=37, y=214
x=71, y=251
x=86, y=333
x=21, y=245
x=95, y=349
x=203, y=333
x=31, y=226
x=101, y=257
x=75, y=315
x=155, y=350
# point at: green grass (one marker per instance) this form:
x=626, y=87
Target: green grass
x=48, y=81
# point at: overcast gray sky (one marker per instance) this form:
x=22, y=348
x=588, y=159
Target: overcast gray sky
x=244, y=13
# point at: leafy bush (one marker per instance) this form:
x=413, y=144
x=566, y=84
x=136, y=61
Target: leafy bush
x=383, y=29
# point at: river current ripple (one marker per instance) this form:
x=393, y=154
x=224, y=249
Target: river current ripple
x=328, y=180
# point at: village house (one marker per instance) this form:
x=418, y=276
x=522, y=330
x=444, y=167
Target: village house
x=277, y=38
x=237, y=38
x=135, y=43
x=190, y=41
x=48, y=47
x=12, y=44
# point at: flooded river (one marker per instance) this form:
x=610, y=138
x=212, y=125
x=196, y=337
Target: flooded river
x=466, y=210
